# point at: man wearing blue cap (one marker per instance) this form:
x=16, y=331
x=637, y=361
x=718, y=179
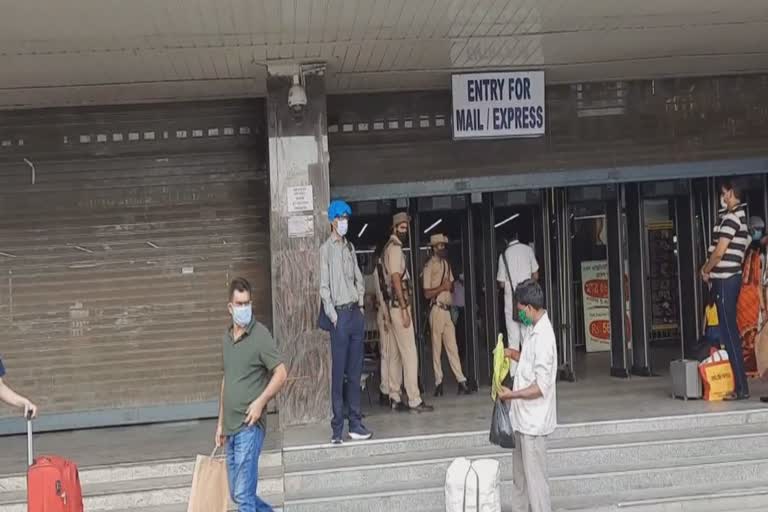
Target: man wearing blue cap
x=342, y=291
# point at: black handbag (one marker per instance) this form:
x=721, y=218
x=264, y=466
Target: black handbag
x=502, y=433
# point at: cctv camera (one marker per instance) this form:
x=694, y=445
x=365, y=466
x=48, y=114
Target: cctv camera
x=297, y=97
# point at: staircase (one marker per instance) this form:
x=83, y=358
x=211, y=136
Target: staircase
x=708, y=462
x=159, y=486
x=713, y=462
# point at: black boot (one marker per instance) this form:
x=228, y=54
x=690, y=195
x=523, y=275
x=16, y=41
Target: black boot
x=398, y=406
x=463, y=389
x=439, y=390
x=383, y=400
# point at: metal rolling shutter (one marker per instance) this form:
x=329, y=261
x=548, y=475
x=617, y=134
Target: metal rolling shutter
x=114, y=263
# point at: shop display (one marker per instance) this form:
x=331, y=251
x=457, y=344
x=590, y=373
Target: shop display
x=663, y=283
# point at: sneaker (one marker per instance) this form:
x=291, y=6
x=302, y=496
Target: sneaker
x=337, y=441
x=398, y=406
x=360, y=434
x=422, y=407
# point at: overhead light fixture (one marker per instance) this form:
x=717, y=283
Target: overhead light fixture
x=433, y=226
x=362, y=231
x=508, y=219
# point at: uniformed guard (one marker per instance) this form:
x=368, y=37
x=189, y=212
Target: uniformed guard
x=403, y=360
x=438, y=286
x=384, y=324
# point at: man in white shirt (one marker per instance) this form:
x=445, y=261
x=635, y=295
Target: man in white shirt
x=533, y=398
x=516, y=264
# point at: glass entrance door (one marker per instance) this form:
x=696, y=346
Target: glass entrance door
x=593, y=282
x=452, y=217
x=661, y=239
x=511, y=216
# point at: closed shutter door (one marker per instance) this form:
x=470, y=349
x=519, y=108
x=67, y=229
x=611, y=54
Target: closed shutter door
x=116, y=255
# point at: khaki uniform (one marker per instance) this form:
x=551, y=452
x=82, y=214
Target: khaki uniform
x=442, y=330
x=387, y=345
x=403, y=360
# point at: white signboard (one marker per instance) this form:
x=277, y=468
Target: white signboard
x=498, y=105
x=597, y=309
x=301, y=226
x=300, y=199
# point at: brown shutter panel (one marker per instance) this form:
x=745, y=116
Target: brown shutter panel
x=115, y=262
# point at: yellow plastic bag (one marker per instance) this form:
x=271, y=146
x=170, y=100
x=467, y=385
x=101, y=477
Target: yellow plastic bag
x=717, y=376
x=500, y=367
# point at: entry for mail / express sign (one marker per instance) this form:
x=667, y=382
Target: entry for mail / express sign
x=498, y=105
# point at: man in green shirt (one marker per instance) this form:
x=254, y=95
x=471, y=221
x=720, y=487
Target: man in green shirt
x=253, y=374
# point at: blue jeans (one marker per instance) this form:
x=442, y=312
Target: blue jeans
x=726, y=297
x=712, y=335
x=243, y=450
x=347, y=359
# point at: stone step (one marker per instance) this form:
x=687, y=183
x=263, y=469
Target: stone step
x=741, y=497
x=134, y=493
x=565, y=455
x=182, y=507
x=135, y=471
x=686, y=472
x=320, y=454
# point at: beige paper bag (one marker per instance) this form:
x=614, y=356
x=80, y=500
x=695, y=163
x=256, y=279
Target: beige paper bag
x=210, y=488
x=761, y=352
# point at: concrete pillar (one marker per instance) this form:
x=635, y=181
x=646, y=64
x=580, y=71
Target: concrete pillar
x=298, y=168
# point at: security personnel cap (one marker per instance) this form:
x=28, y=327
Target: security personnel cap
x=438, y=239
x=400, y=218
x=337, y=209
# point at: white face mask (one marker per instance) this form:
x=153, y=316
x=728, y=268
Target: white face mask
x=723, y=204
x=342, y=227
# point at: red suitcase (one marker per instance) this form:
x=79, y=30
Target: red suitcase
x=53, y=483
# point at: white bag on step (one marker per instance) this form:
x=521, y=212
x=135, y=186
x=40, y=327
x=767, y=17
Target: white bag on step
x=473, y=486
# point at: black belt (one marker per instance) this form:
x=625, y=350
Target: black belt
x=347, y=307
x=444, y=307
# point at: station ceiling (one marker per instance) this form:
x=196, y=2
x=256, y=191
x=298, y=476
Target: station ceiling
x=83, y=52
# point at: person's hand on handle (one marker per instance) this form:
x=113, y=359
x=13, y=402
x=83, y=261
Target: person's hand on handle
x=219, y=437
x=505, y=393
x=30, y=409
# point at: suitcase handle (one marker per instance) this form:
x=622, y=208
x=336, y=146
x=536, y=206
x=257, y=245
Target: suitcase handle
x=30, y=446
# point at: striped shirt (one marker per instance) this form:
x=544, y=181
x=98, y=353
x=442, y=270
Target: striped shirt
x=733, y=226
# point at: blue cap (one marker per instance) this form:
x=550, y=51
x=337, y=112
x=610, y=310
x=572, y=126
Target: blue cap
x=338, y=208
